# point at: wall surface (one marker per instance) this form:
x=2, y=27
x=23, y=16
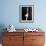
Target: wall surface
x=10, y=13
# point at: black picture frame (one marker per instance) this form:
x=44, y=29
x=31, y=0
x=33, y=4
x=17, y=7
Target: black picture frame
x=26, y=13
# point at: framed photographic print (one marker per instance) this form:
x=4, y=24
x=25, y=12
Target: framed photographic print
x=26, y=13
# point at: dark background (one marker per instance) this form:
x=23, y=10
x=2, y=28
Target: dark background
x=24, y=11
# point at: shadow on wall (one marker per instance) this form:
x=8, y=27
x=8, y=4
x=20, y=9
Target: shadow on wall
x=2, y=26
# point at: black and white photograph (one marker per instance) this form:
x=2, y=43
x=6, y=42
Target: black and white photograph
x=26, y=13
